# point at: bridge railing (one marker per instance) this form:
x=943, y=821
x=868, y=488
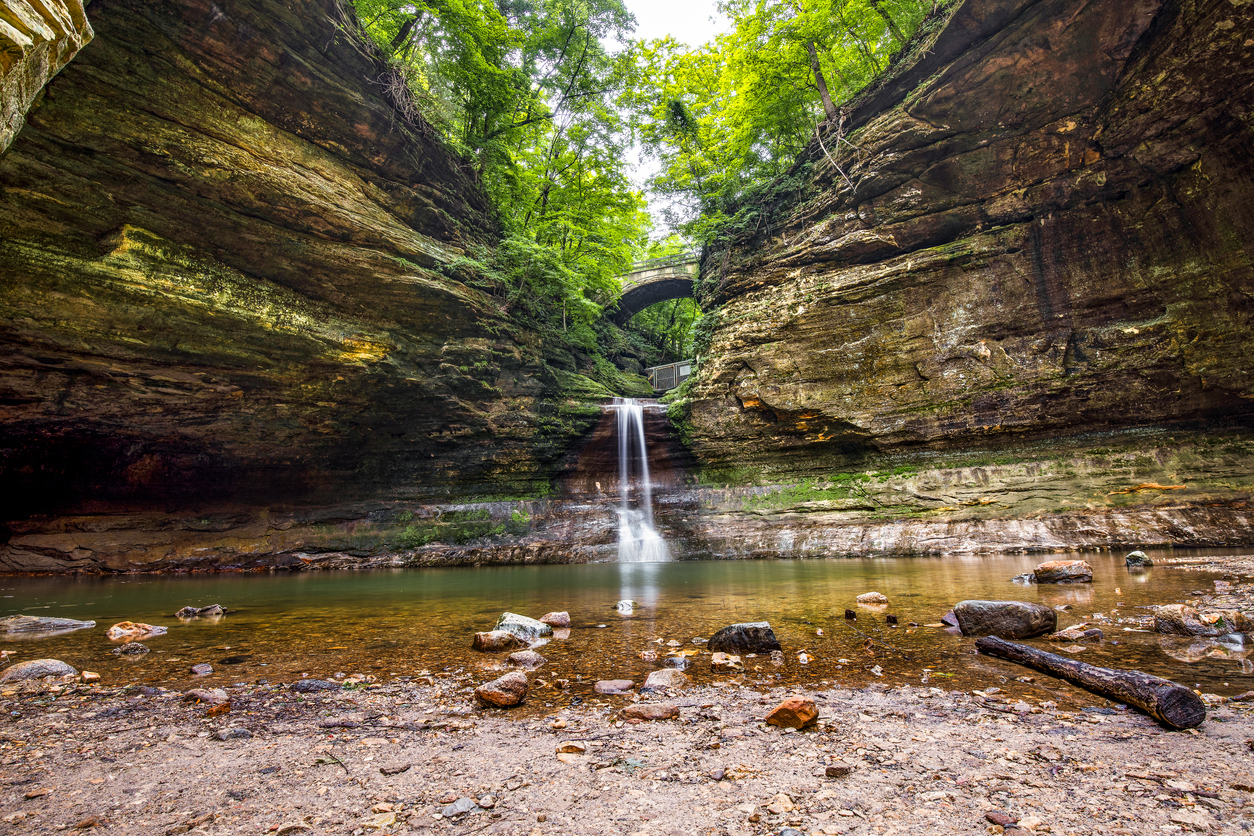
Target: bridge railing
x=664, y=261
x=665, y=378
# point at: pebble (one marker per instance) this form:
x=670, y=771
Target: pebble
x=527, y=659
x=461, y=807
x=213, y=696
x=839, y=769
x=232, y=734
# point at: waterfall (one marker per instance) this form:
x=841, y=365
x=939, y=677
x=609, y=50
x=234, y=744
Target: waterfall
x=638, y=540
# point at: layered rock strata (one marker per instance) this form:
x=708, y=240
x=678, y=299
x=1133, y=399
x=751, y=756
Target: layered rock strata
x=235, y=271
x=1035, y=228
x=37, y=39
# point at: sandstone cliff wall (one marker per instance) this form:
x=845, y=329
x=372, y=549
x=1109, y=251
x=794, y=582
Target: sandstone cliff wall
x=1036, y=229
x=231, y=272
x=36, y=41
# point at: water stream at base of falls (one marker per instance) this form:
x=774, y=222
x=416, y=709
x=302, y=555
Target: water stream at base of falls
x=638, y=540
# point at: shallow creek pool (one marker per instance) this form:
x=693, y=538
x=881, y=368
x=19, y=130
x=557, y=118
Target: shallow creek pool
x=417, y=623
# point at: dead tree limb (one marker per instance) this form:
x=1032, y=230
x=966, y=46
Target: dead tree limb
x=1170, y=703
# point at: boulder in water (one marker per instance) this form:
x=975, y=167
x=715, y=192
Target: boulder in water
x=496, y=640
x=36, y=669
x=872, y=598
x=556, y=619
x=666, y=678
x=1078, y=633
x=527, y=659
x=41, y=624
x=613, y=686
x=1064, y=571
x=1137, y=559
x=130, y=649
x=504, y=692
x=1183, y=620
x=527, y=629
x=725, y=661
x=200, y=612
x=131, y=630
x=746, y=637
x=1005, y=619
x=626, y=606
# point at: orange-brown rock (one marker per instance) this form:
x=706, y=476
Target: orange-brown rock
x=493, y=641
x=504, y=692
x=793, y=713
x=1064, y=571
x=131, y=630
x=646, y=712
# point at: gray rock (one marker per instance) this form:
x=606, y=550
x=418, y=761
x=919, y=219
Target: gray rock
x=746, y=637
x=232, y=734
x=626, y=606
x=613, y=686
x=527, y=629
x=666, y=678
x=310, y=686
x=1005, y=619
x=195, y=612
x=1137, y=558
x=461, y=807
x=41, y=624
x=36, y=669
x=130, y=649
x=1025, y=577
x=679, y=663
x=202, y=669
x=527, y=659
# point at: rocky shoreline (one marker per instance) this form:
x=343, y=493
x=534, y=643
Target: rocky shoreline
x=422, y=755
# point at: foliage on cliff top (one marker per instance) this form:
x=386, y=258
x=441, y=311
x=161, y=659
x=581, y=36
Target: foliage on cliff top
x=729, y=119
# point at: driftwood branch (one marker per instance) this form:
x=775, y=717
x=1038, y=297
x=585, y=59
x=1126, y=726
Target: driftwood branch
x=1170, y=703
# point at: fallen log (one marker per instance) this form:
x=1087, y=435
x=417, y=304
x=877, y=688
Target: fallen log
x=1170, y=703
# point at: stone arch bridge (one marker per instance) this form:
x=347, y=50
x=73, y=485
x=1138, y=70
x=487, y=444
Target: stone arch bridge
x=656, y=281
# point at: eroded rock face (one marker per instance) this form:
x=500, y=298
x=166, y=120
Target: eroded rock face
x=36, y=41
x=1005, y=619
x=233, y=271
x=1049, y=205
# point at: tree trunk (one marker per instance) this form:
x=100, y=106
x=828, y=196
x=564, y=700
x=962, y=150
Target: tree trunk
x=892, y=27
x=1167, y=702
x=820, y=82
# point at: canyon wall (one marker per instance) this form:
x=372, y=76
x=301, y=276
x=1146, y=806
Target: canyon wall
x=237, y=268
x=36, y=41
x=1030, y=241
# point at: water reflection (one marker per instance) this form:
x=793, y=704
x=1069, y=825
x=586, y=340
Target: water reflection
x=279, y=627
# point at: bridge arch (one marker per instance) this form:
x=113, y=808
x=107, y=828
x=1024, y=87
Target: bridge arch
x=656, y=281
